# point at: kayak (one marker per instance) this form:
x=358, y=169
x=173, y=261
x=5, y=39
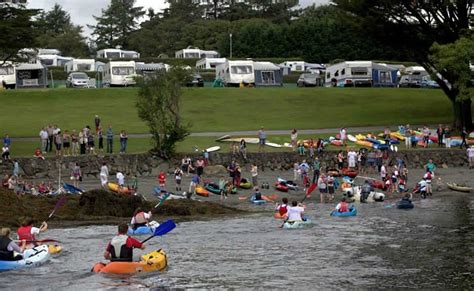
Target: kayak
x=201, y=191
x=257, y=202
x=349, y=172
x=213, y=188
x=31, y=258
x=297, y=224
x=456, y=187
x=245, y=184
x=336, y=142
x=142, y=230
x=290, y=184
x=280, y=186
x=352, y=212
x=71, y=189
x=364, y=143
x=405, y=204
x=277, y=215
x=117, y=189
x=154, y=261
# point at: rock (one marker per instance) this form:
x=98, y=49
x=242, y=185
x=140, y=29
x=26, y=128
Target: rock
x=444, y=166
x=215, y=170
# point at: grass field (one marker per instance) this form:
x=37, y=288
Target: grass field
x=24, y=112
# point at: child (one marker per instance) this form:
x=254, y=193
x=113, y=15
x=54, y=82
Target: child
x=38, y=154
x=178, y=174
x=162, y=179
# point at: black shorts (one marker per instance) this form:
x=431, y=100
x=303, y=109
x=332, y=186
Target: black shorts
x=58, y=146
x=66, y=145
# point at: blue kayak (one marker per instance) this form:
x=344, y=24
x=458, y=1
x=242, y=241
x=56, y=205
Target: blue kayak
x=144, y=230
x=257, y=202
x=352, y=212
x=31, y=258
x=71, y=189
x=405, y=204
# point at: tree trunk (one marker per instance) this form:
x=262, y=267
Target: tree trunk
x=462, y=114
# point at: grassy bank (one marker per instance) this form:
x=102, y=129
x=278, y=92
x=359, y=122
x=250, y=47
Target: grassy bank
x=24, y=112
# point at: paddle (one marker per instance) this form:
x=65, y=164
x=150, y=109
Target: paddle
x=58, y=205
x=40, y=241
x=162, y=200
x=309, y=191
x=163, y=229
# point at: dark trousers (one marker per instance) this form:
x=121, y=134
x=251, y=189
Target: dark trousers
x=50, y=143
x=110, y=145
x=83, y=148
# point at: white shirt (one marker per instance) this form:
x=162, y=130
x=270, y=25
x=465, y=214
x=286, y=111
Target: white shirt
x=383, y=171
x=35, y=230
x=352, y=156
x=343, y=134
x=104, y=171
x=147, y=217
x=254, y=171
x=120, y=178
x=43, y=134
x=295, y=213
x=470, y=152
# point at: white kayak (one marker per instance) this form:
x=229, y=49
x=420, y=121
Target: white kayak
x=351, y=138
x=297, y=224
x=31, y=258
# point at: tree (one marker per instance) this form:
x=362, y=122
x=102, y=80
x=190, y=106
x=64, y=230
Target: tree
x=158, y=104
x=455, y=58
x=116, y=24
x=18, y=31
x=413, y=26
x=57, y=31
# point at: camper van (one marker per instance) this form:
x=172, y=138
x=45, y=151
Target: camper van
x=232, y=73
x=80, y=65
x=7, y=76
x=53, y=60
x=119, y=74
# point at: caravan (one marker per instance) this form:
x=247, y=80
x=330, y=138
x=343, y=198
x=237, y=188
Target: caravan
x=7, y=76
x=119, y=74
x=232, y=73
x=53, y=60
x=80, y=65
x=361, y=74
x=117, y=54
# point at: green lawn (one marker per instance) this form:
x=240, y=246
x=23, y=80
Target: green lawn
x=24, y=112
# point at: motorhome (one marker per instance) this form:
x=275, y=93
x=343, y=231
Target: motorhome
x=80, y=65
x=117, y=73
x=209, y=63
x=361, y=74
x=53, y=60
x=232, y=73
x=117, y=54
x=195, y=53
x=7, y=76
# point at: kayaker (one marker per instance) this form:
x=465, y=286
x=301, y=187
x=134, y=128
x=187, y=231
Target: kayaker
x=295, y=212
x=282, y=208
x=428, y=176
x=28, y=232
x=140, y=218
x=342, y=206
x=120, y=248
x=8, y=247
x=257, y=194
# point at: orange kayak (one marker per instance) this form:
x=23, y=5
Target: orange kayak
x=122, y=190
x=201, y=191
x=154, y=261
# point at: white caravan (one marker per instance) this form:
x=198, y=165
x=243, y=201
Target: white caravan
x=209, y=63
x=7, y=76
x=118, y=73
x=232, y=73
x=53, y=60
x=80, y=65
x=117, y=54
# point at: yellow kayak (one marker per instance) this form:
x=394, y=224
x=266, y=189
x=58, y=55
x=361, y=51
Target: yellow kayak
x=154, y=261
x=54, y=249
x=360, y=137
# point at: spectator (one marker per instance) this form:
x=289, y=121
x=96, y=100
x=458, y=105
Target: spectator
x=76, y=175
x=185, y=165
x=463, y=137
x=440, y=133
x=386, y=135
x=178, y=175
x=262, y=136
x=123, y=141
x=200, y=166
x=97, y=123
x=120, y=178
x=5, y=152
x=407, y=136
x=44, y=139
x=16, y=168
x=447, y=137
x=38, y=154
x=58, y=142
x=104, y=175
x=101, y=140
x=351, y=158
x=75, y=143
x=254, y=173
x=82, y=142
x=206, y=158
x=294, y=139
x=110, y=139
x=426, y=136
x=91, y=143
x=470, y=156
x=343, y=135
x=7, y=140
x=243, y=149
x=340, y=160
x=66, y=143
x=50, y=130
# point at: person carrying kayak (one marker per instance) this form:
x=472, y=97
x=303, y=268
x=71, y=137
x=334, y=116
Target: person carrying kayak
x=342, y=206
x=28, y=232
x=295, y=212
x=120, y=248
x=8, y=247
x=282, y=208
x=140, y=218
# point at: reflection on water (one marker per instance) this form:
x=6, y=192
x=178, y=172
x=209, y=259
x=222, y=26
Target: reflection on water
x=428, y=247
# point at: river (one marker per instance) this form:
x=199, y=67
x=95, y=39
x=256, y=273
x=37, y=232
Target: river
x=428, y=247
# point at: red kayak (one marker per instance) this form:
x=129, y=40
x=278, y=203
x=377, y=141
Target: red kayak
x=280, y=186
x=349, y=172
x=379, y=184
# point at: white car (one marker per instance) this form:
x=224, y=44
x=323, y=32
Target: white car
x=77, y=80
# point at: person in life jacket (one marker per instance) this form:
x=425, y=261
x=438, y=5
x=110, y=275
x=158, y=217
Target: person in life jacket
x=28, y=232
x=120, y=248
x=7, y=247
x=282, y=208
x=342, y=206
x=162, y=179
x=428, y=177
x=140, y=218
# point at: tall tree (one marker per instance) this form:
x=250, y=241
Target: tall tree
x=413, y=26
x=57, y=31
x=158, y=104
x=17, y=31
x=116, y=24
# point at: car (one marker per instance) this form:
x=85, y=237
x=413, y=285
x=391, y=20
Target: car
x=196, y=81
x=410, y=81
x=429, y=84
x=308, y=80
x=77, y=80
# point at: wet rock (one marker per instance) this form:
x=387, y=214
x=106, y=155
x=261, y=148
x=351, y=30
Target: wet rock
x=215, y=170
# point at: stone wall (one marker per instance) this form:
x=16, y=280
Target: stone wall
x=146, y=164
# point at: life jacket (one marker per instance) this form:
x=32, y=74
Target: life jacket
x=344, y=207
x=140, y=219
x=24, y=233
x=283, y=209
x=5, y=254
x=161, y=178
x=119, y=250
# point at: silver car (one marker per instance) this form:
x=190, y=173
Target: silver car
x=308, y=80
x=77, y=80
